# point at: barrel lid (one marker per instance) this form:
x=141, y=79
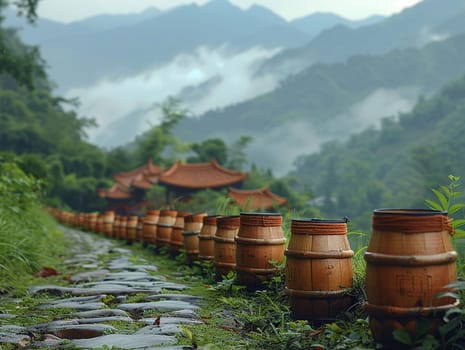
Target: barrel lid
x=261, y=214
x=229, y=217
x=409, y=212
x=323, y=221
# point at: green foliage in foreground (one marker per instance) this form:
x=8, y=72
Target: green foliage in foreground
x=446, y=201
x=26, y=231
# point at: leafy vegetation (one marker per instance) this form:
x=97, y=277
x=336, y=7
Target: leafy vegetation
x=446, y=196
x=398, y=163
x=25, y=230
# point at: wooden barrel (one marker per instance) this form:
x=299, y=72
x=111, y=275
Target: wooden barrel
x=177, y=238
x=149, y=227
x=92, y=222
x=260, y=240
x=82, y=220
x=164, y=227
x=72, y=217
x=100, y=224
x=123, y=221
x=131, y=228
x=192, y=226
x=139, y=233
x=75, y=222
x=117, y=226
x=410, y=258
x=318, y=269
x=108, y=220
x=207, y=233
x=224, y=252
x=65, y=217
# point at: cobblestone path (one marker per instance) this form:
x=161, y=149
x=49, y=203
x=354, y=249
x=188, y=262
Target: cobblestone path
x=98, y=297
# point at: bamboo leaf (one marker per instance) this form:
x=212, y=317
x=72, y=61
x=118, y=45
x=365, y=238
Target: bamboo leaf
x=433, y=205
x=446, y=191
x=442, y=199
x=456, y=207
x=458, y=223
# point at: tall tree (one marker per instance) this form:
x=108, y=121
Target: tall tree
x=21, y=62
x=159, y=140
x=210, y=149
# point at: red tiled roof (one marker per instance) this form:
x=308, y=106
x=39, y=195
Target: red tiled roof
x=261, y=198
x=117, y=191
x=200, y=175
x=143, y=177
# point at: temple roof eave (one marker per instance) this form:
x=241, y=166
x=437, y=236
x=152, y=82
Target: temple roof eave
x=261, y=198
x=200, y=176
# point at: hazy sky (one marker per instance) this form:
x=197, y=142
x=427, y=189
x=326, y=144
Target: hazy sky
x=71, y=10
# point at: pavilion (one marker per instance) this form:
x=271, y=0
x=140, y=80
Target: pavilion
x=256, y=199
x=127, y=195
x=181, y=180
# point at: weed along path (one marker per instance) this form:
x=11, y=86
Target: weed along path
x=106, y=295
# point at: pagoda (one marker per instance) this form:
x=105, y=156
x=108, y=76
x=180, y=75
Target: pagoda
x=181, y=180
x=256, y=199
x=126, y=196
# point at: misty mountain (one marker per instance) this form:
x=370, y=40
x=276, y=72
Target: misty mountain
x=399, y=162
x=205, y=79
x=415, y=26
x=106, y=22
x=44, y=29
x=113, y=47
x=105, y=51
x=330, y=101
x=324, y=102
x=317, y=22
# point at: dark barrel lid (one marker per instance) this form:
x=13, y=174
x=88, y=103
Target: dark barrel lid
x=409, y=212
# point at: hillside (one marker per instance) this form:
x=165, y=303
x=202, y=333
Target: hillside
x=317, y=22
x=394, y=166
x=415, y=26
x=116, y=47
x=330, y=101
x=119, y=38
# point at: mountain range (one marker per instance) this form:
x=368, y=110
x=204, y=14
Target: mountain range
x=117, y=46
x=331, y=101
x=413, y=27
x=292, y=85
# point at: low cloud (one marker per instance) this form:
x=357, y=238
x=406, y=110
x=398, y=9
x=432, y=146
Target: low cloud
x=371, y=110
x=426, y=36
x=207, y=79
x=278, y=149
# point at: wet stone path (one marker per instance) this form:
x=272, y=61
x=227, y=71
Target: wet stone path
x=100, y=296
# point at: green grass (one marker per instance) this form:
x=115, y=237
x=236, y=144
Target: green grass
x=28, y=242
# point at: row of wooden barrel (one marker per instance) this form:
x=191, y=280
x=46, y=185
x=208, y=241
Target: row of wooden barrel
x=410, y=258
x=202, y=237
